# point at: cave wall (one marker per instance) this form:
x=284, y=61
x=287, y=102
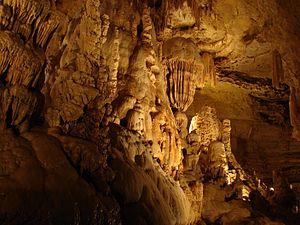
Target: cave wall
x=261, y=135
x=97, y=96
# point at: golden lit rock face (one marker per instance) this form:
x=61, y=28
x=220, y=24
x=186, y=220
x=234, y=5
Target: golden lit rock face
x=182, y=70
x=148, y=112
x=207, y=125
x=24, y=14
x=22, y=63
x=21, y=69
x=181, y=84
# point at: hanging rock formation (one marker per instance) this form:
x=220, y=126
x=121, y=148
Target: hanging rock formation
x=149, y=112
x=294, y=112
x=278, y=73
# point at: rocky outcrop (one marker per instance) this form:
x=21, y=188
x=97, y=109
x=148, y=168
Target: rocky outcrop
x=34, y=166
x=101, y=117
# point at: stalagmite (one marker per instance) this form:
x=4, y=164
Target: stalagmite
x=213, y=137
x=181, y=122
x=121, y=110
x=207, y=125
x=226, y=139
x=218, y=163
x=278, y=72
x=166, y=141
x=191, y=156
x=105, y=27
x=226, y=129
x=113, y=75
x=136, y=119
x=147, y=26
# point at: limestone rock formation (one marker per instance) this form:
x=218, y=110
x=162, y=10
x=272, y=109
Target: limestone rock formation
x=155, y=112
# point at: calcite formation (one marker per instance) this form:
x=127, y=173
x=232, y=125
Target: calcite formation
x=278, y=72
x=22, y=64
x=137, y=112
x=207, y=125
x=186, y=70
x=181, y=84
x=166, y=145
x=294, y=112
x=209, y=70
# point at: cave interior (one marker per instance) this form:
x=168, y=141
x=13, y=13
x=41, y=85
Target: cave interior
x=149, y=112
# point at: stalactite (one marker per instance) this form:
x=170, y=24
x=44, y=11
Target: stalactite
x=209, y=70
x=24, y=29
x=18, y=105
x=27, y=10
x=19, y=63
x=23, y=65
x=295, y=112
x=193, y=4
x=278, y=72
x=8, y=49
x=46, y=27
x=25, y=13
x=20, y=16
x=181, y=85
x=161, y=16
x=5, y=16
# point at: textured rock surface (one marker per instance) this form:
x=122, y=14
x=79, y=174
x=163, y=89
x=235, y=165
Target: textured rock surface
x=172, y=112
